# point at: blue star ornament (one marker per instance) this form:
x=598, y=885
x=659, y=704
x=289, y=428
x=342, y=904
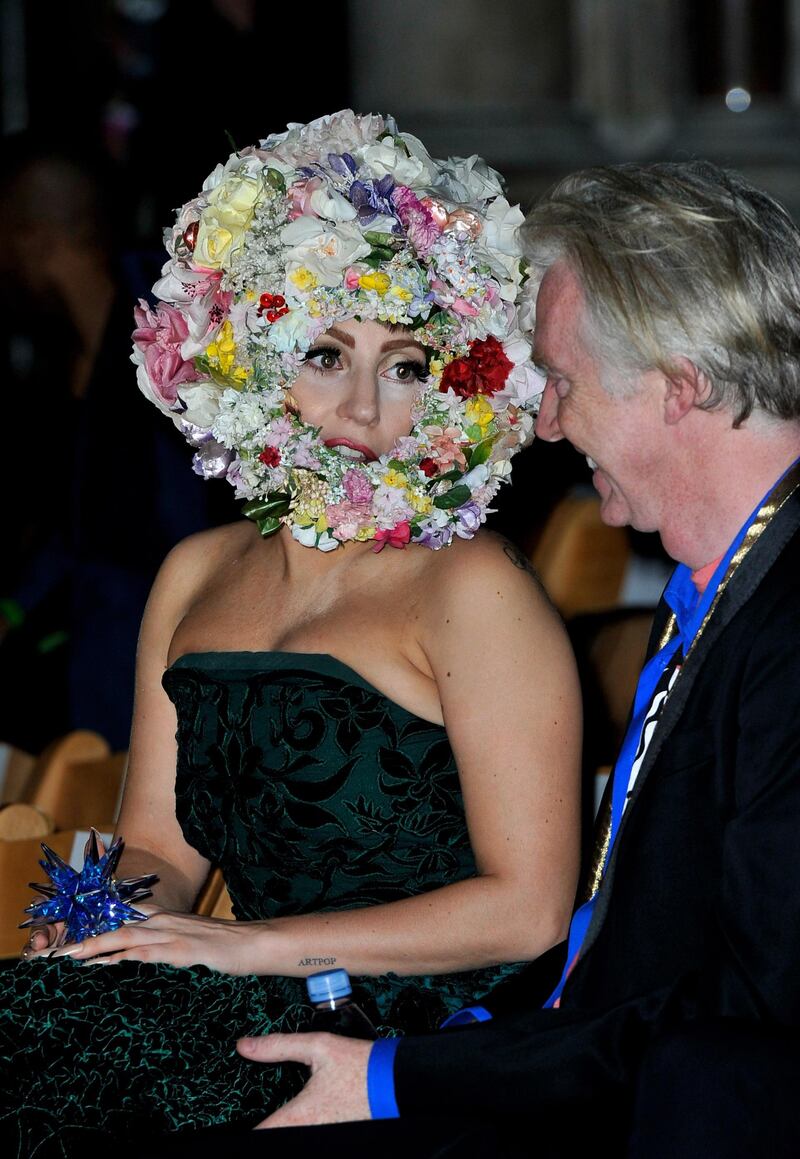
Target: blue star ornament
x=92, y=901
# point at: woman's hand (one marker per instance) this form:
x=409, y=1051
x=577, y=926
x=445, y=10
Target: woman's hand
x=42, y=938
x=177, y=939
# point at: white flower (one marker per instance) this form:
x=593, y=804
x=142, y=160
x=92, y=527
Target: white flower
x=476, y=477
x=386, y=158
x=202, y=402
x=294, y=331
x=342, y=132
x=500, y=243
x=325, y=251
x=465, y=180
x=308, y=537
x=147, y=389
x=331, y=205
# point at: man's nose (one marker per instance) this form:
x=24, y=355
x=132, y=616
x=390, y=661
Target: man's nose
x=547, y=427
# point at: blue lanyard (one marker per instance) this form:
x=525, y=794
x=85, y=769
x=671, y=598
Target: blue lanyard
x=690, y=611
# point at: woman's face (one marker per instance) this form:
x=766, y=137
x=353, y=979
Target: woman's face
x=357, y=386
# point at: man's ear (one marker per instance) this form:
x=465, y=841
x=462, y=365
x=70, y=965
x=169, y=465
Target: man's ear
x=686, y=387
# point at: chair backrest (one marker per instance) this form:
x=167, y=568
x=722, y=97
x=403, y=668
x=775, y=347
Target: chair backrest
x=580, y=560
x=77, y=782
x=18, y=866
x=213, y=901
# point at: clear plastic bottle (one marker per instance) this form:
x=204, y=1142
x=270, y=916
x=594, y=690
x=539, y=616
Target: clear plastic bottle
x=331, y=995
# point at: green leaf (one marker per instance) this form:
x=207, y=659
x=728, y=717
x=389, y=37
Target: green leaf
x=398, y=465
x=273, y=507
x=377, y=257
x=383, y=240
x=449, y=477
x=474, y=433
x=275, y=179
x=452, y=498
x=480, y=453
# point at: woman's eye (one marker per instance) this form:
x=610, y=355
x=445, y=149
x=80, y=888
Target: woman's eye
x=409, y=371
x=323, y=358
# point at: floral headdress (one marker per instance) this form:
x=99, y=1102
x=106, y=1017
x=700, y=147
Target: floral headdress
x=342, y=218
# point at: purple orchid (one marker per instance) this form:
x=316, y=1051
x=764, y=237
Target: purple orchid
x=373, y=198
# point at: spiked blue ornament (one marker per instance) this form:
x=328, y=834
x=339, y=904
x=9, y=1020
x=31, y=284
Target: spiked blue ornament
x=90, y=902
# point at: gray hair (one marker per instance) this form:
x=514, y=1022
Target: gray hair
x=682, y=259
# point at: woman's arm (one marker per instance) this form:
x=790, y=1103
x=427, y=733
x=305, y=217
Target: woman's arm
x=153, y=839
x=511, y=705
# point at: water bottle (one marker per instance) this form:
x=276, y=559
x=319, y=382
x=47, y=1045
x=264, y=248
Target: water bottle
x=331, y=995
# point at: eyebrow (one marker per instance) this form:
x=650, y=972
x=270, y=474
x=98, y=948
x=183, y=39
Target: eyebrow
x=392, y=343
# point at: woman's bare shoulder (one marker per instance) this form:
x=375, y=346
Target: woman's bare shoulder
x=487, y=564
x=193, y=564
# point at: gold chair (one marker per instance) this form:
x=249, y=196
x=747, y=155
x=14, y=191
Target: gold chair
x=580, y=560
x=20, y=850
x=213, y=901
x=77, y=782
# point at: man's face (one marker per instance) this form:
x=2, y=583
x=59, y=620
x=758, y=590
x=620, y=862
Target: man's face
x=621, y=436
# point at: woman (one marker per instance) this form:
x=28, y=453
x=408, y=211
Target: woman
x=338, y=336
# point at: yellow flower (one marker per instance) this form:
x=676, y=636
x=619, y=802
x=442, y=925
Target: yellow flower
x=222, y=350
x=401, y=293
x=366, y=533
x=379, y=282
x=225, y=219
x=420, y=502
x=479, y=411
x=303, y=279
x=435, y=367
x=395, y=479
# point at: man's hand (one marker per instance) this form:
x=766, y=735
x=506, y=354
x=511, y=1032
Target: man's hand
x=337, y=1089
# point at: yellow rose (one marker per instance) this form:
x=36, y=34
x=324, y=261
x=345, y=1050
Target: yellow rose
x=378, y=282
x=226, y=218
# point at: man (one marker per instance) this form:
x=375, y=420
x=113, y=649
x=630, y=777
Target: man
x=668, y=326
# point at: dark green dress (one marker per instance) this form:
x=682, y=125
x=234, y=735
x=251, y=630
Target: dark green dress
x=312, y=792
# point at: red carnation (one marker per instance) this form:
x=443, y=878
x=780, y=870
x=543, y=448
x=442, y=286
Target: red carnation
x=270, y=457
x=483, y=371
x=429, y=467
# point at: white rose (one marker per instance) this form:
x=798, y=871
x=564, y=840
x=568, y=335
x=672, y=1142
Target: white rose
x=385, y=159
x=202, y=402
x=331, y=205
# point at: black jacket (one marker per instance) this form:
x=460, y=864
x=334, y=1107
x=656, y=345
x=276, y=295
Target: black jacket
x=699, y=912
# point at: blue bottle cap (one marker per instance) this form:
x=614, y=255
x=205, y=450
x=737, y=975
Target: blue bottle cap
x=328, y=984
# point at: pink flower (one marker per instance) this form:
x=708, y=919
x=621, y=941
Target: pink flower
x=397, y=536
x=352, y=278
x=347, y=519
x=299, y=196
x=416, y=219
x=158, y=337
x=357, y=486
x=445, y=448
x=461, y=306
